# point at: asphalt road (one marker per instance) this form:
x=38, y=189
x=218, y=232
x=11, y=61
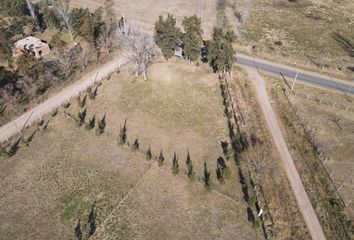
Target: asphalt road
x=290, y=73
x=14, y=127
x=293, y=176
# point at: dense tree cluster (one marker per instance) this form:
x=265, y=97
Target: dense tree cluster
x=220, y=51
x=167, y=35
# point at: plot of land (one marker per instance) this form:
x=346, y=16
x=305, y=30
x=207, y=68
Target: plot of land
x=52, y=183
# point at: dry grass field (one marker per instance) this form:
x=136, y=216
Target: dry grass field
x=65, y=170
x=334, y=127
x=144, y=13
x=300, y=32
x=320, y=139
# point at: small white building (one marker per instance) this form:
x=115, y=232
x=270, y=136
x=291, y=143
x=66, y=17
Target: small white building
x=31, y=45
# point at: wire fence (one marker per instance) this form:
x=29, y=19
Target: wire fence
x=321, y=100
x=310, y=134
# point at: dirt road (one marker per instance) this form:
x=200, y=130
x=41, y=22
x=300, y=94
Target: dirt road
x=10, y=129
x=302, y=199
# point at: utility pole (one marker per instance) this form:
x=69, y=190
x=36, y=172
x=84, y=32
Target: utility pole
x=292, y=87
x=323, y=60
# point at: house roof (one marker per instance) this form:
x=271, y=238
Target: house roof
x=29, y=43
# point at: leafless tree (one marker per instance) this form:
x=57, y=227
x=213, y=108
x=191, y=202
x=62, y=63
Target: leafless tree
x=63, y=10
x=68, y=61
x=245, y=11
x=142, y=51
x=109, y=38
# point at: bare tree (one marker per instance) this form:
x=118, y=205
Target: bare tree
x=245, y=11
x=63, y=10
x=68, y=61
x=142, y=51
x=110, y=38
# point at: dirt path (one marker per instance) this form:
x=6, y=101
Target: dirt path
x=302, y=199
x=14, y=127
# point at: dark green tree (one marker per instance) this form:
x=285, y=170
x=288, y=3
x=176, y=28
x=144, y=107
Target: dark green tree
x=206, y=177
x=91, y=124
x=122, y=139
x=78, y=231
x=101, y=125
x=148, y=154
x=81, y=117
x=93, y=93
x=161, y=158
x=136, y=144
x=167, y=35
x=221, y=169
x=221, y=53
x=192, y=38
x=81, y=102
x=190, y=172
x=175, y=167
x=91, y=221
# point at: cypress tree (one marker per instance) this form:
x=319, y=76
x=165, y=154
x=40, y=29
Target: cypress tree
x=192, y=38
x=161, y=158
x=167, y=35
x=175, y=167
x=206, y=177
x=136, y=144
x=189, y=164
x=221, y=169
x=81, y=117
x=221, y=53
x=78, y=231
x=148, y=154
x=91, y=221
x=91, y=124
x=101, y=125
x=123, y=133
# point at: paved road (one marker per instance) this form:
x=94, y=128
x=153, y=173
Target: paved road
x=302, y=199
x=290, y=73
x=14, y=127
